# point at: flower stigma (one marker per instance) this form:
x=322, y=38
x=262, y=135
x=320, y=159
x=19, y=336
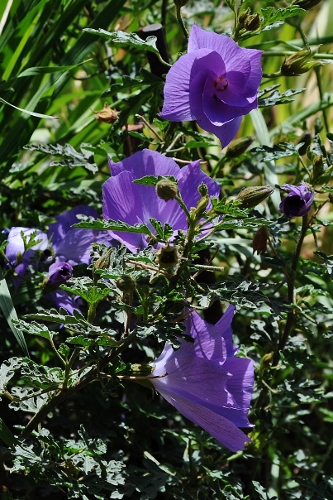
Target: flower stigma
x=221, y=83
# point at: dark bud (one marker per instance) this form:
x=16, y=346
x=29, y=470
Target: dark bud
x=318, y=166
x=243, y=17
x=125, y=283
x=167, y=189
x=306, y=4
x=306, y=138
x=252, y=23
x=167, y=257
x=298, y=63
x=203, y=189
x=251, y=196
x=238, y=146
x=260, y=240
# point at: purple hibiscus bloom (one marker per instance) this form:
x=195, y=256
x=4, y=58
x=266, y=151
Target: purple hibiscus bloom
x=68, y=246
x=206, y=382
x=215, y=83
x=137, y=204
x=298, y=201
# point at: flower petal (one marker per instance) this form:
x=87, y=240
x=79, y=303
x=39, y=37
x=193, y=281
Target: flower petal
x=219, y=427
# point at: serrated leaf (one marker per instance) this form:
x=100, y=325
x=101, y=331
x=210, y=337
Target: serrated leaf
x=275, y=97
x=282, y=150
x=271, y=15
x=112, y=225
x=151, y=180
x=124, y=39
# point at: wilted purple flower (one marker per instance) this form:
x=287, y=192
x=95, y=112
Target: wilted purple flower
x=298, y=201
x=206, y=382
x=215, y=83
x=136, y=203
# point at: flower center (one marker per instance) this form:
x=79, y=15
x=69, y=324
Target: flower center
x=221, y=83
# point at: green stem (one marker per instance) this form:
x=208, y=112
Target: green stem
x=65, y=393
x=291, y=292
x=180, y=20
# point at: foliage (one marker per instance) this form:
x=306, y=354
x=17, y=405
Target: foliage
x=73, y=422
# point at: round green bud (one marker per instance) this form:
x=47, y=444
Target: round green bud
x=166, y=189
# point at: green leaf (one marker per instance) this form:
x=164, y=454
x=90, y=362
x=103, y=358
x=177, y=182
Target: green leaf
x=126, y=39
x=8, y=309
x=152, y=180
x=6, y=435
x=31, y=113
x=273, y=16
x=111, y=225
x=275, y=97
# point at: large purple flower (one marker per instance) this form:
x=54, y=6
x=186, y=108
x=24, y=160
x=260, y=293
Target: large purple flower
x=215, y=83
x=206, y=382
x=298, y=201
x=137, y=204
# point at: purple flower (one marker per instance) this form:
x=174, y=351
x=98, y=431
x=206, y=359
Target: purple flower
x=206, y=382
x=215, y=83
x=16, y=253
x=69, y=246
x=59, y=273
x=298, y=201
x=136, y=204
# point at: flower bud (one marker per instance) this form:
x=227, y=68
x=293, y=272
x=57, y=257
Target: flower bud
x=180, y=3
x=166, y=189
x=238, y=147
x=318, y=166
x=243, y=16
x=125, y=283
x=167, y=257
x=104, y=261
x=306, y=4
x=260, y=240
x=252, y=22
x=253, y=195
x=203, y=189
x=298, y=63
x=306, y=139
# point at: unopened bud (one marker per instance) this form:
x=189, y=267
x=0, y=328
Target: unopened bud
x=238, y=147
x=180, y=3
x=306, y=4
x=252, y=23
x=125, y=283
x=318, y=166
x=260, y=240
x=253, y=195
x=104, y=261
x=306, y=139
x=167, y=257
x=203, y=189
x=166, y=189
x=298, y=63
x=243, y=16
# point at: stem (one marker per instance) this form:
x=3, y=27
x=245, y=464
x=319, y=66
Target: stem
x=291, y=292
x=64, y=393
x=180, y=20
